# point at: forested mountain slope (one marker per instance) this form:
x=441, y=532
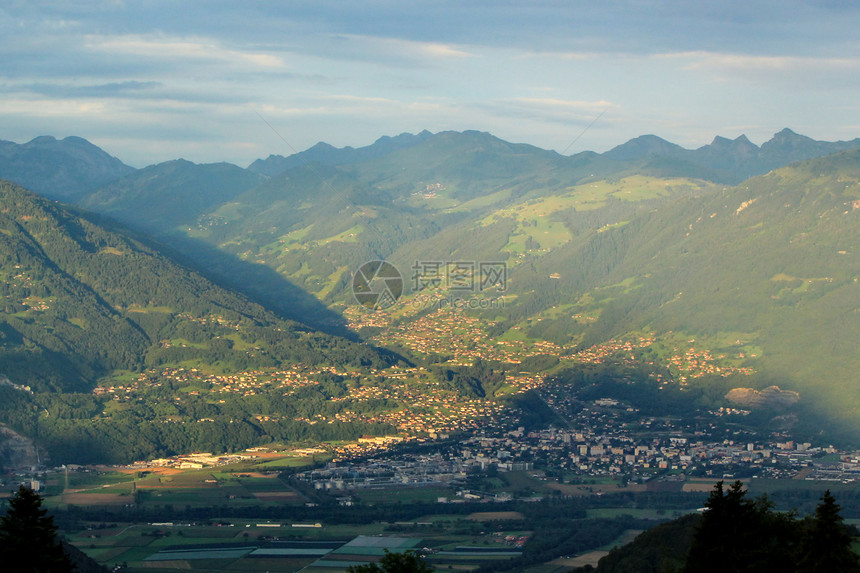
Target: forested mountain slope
x=64, y=169
x=736, y=288
x=767, y=271
x=596, y=247
x=86, y=309
x=160, y=197
x=81, y=301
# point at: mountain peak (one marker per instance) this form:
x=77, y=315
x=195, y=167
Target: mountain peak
x=643, y=146
x=42, y=140
x=171, y=164
x=721, y=143
x=786, y=138
x=327, y=154
x=786, y=132
x=323, y=146
x=74, y=139
x=60, y=169
x=404, y=138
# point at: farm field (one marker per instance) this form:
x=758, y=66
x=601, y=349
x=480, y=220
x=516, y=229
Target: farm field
x=251, y=517
x=157, y=487
x=246, y=546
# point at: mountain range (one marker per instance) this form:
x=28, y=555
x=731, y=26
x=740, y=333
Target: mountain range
x=71, y=168
x=734, y=159
x=735, y=262
x=326, y=154
x=64, y=169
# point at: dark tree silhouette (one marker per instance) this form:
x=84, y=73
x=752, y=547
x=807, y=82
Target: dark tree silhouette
x=825, y=545
x=714, y=547
x=739, y=534
x=28, y=537
x=408, y=562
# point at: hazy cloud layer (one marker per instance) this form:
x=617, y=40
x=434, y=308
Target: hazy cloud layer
x=154, y=80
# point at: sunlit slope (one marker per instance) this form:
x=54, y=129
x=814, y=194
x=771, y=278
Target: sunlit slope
x=172, y=194
x=81, y=302
x=455, y=194
x=775, y=257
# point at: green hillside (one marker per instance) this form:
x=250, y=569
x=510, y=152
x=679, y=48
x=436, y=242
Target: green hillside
x=736, y=288
x=171, y=193
x=86, y=311
x=315, y=224
x=63, y=169
x=766, y=271
x=132, y=295
x=747, y=286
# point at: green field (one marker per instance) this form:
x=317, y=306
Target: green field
x=458, y=537
x=402, y=495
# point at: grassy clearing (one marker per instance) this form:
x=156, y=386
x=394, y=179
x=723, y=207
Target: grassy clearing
x=537, y=235
x=641, y=513
x=483, y=201
x=403, y=495
x=179, y=488
x=348, y=236
x=293, y=462
x=150, y=309
x=759, y=486
x=495, y=515
x=593, y=195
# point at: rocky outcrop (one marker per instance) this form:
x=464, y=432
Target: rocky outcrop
x=770, y=397
x=16, y=451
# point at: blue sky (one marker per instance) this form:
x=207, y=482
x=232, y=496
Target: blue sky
x=151, y=81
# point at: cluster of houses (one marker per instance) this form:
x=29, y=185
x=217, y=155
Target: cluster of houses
x=210, y=319
x=593, y=447
x=636, y=458
x=590, y=439
x=423, y=407
x=241, y=384
x=697, y=363
x=452, y=333
x=195, y=461
x=417, y=404
x=598, y=439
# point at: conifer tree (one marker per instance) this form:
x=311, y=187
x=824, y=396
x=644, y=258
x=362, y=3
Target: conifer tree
x=739, y=535
x=825, y=544
x=28, y=537
x=408, y=562
x=715, y=546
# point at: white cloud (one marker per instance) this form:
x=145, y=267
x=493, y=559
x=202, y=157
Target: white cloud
x=193, y=49
x=807, y=73
x=360, y=99
x=50, y=108
x=190, y=75
x=698, y=60
x=572, y=105
x=397, y=51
